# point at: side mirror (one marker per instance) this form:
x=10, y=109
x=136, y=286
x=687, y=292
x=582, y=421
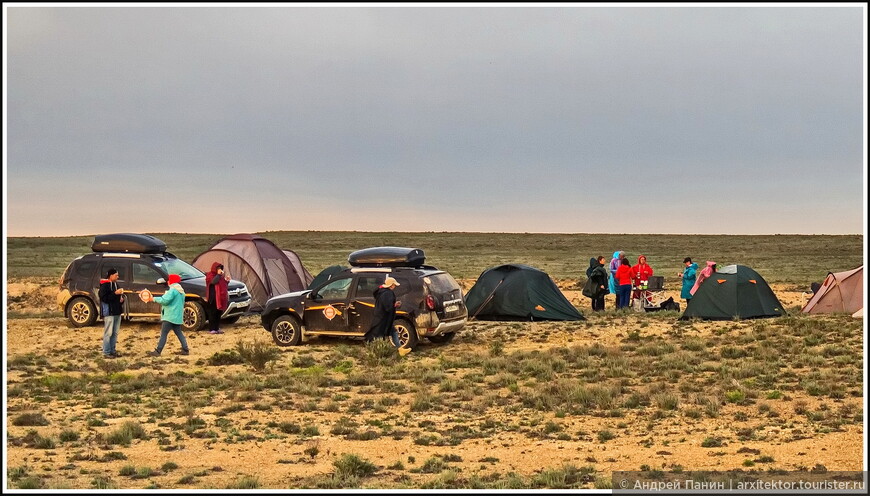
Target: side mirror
x=314, y=296
x=161, y=281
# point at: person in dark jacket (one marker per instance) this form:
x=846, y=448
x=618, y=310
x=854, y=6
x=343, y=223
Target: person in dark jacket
x=111, y=303
x=218, y=296
x=385, y=314
x=596, y=283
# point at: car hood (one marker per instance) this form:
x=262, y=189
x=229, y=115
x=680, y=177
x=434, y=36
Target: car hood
x=287, y=298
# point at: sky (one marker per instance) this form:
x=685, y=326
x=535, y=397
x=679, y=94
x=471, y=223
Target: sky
x=564, y=118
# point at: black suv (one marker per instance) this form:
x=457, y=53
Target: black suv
x=432, y=305
x=142, y=262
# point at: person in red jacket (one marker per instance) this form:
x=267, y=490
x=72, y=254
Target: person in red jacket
x=623, y=284
x=640, y=275
x=218, y=297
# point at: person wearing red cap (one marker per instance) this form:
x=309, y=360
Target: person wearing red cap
x=171, y=314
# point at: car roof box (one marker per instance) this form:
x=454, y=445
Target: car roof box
x=128, y=243
x=387, y=256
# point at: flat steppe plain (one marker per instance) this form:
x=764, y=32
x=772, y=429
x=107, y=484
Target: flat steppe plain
x=504, y=405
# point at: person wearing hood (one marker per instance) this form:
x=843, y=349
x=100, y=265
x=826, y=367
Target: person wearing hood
x=385, y=314
x=704, y=274
x=688, y=275
x=171, y=314
x=596, y=283
x=640, y=275
x=111, y=303
x=615, y=262
x=218, y=297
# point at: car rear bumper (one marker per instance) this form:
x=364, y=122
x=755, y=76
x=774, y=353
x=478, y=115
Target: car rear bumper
x=444, y=328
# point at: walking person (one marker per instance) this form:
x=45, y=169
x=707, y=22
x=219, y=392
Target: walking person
x=688, y=275
x=596, y=283
x=385, y=314
x=218, y=298
x=623, y=281
x=111, y=304
x=704, y=274
x=171, y=314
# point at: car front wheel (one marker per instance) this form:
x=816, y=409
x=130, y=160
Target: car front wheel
x=82, y=312
x=286, y=331
x=407, y=334
x=193, y=317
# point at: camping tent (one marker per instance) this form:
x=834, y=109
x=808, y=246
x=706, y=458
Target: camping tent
x=733, y=292
x=841, y=292
x=518, y=292
x=266, y=269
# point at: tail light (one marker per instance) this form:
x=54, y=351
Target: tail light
x=430, y=302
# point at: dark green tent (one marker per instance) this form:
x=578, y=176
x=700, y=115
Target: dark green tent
x=733, y=292
x=518, y=292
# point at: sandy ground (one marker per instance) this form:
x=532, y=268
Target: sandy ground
x=282, y=463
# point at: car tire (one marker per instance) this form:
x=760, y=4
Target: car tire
x=286, y=331
x=193, y=316
x=407, y=334
x=443, y=338
x=82, y=312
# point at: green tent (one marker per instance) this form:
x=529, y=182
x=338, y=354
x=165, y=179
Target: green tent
x=518, y=292
x=733, y=292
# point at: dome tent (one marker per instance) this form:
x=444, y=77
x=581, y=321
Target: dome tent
x=266, y=269
x=733, y=292
x=518, y=292
x=840, y=292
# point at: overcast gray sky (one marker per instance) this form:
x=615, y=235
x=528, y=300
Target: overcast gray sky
x=739, y=120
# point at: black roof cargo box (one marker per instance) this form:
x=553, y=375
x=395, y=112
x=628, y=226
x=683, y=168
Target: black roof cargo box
x=128, y=243
x=387, y=256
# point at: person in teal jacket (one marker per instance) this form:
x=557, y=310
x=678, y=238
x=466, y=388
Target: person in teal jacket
x=171, y=315
x=688, y=275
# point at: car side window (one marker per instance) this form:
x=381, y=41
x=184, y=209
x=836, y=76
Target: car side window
x=145, y=274
x=86, y=269
x=121, y=268
x=366, y=286
x=336, y=289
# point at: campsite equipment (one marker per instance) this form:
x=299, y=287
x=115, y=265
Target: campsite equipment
x=733, y=292
x=840, y=292
x=266, y=269
x=127, y=243
x=518, y=292
x=387, y=256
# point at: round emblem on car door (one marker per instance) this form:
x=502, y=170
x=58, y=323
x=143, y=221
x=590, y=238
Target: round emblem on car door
x=329, y=312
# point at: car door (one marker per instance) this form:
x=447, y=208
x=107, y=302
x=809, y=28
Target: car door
x=326, y=308
x=123, y=268
x=362, y=302
x=144, y=276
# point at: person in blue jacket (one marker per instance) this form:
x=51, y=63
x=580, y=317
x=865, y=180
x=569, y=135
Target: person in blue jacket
x=171, y=315
x=688, y=275
x=615, y=262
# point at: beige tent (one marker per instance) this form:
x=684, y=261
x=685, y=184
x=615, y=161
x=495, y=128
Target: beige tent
x=842, y=292
x=859, y=314
x=266, y=269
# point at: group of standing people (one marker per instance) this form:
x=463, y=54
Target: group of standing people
x=620, y=277
x=171, y=308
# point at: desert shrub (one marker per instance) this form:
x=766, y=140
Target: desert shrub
x=350, y=465
x=711, y=442
x=246, y=482
x=68, y=435
x=380, y=353
x=257, y=354
x=225, y=357
x=126, y=433
x=605, y=435
x=168, y=466
x=30, y=419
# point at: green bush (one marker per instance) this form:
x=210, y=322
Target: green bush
x=30, y=419
x=257, y=354
x=225, y=357
x=350, y=465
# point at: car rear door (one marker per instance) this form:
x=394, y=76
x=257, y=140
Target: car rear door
x=144, y=276
x=362, y=303
x=326, y=308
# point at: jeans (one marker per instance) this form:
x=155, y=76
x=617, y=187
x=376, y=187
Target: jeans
x=164, y=331
x=623, y=295
x=111, y=326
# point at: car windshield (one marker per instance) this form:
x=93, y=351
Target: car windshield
x=180, y=267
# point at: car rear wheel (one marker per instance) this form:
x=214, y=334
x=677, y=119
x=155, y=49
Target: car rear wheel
x=193, y=317
x=82, y=312
x=286, y=331
x=407, y=334
x=443, y=338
